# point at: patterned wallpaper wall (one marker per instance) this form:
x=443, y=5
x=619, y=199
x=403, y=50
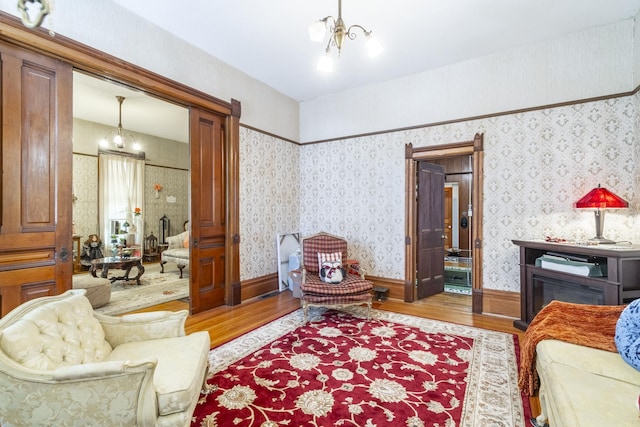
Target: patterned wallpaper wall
x=537, y=164
x=175, y=182
x=85, y=189
x=269, y=199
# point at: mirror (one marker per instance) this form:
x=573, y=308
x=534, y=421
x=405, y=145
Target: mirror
x=160, y=128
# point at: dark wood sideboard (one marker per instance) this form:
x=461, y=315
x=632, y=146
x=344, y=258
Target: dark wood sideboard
x=538, y=286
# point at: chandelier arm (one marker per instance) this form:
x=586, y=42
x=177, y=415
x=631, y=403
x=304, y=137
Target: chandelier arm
x=353, y=35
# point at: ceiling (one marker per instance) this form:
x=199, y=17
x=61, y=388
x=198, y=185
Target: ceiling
x=268, y=40
x=95, y=100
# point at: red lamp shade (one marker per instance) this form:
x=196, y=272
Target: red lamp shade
x=601, y=198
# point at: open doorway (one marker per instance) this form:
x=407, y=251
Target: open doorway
x=458, y=209
x=121, y=192
x=462, y=165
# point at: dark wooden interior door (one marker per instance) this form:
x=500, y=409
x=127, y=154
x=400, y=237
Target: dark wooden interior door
x=430, y=227
x=208, y=210
x=36, y=251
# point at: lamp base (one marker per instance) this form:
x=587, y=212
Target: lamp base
x=599, y=216
x=602, y=241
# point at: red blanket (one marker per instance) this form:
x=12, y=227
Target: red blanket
x=588, y=325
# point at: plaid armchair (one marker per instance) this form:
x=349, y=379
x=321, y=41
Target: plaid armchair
x=352, y=290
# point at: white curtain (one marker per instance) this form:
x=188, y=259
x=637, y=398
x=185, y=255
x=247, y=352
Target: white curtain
x=121, y=191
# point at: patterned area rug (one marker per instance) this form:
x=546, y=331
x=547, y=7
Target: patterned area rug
x=340, y=369
x=155, y=288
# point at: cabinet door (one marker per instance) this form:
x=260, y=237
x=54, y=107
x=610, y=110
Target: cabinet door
x=35, y=186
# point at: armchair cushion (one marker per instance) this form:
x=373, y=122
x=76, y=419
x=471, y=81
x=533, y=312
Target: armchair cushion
x=340, y=293
x=175, y=379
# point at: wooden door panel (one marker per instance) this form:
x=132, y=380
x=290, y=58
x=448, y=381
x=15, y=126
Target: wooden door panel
x=211, y=273
x=208, y=210
x=430, y=224
x=18, y=286
x=35, y=215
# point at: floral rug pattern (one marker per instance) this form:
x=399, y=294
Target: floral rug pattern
x=341, y=369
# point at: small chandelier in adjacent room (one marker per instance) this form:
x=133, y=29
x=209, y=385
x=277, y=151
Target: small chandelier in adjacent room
x=338, y=33
x=118, y=137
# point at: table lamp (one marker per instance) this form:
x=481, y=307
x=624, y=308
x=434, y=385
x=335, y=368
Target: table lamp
x=601, y=198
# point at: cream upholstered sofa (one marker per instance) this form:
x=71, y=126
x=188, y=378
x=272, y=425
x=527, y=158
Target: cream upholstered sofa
x=176, y=252
x=586, y=387
x=63, y=364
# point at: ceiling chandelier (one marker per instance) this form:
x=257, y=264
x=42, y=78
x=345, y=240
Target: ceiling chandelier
x=338, y=33
x=118, y=137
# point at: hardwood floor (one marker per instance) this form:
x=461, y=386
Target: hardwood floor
x=228, y=322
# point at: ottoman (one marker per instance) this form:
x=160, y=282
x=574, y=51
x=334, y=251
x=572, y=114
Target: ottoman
x=98, y=289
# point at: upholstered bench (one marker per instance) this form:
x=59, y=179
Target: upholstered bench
x=98, y=289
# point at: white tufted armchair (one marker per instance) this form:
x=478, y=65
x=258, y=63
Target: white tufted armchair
x=63, y=364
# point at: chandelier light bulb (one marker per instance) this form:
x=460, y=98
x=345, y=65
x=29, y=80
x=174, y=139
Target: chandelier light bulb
x=373, y=46
x=325, y=63
x=317, y=31
x=117, y=139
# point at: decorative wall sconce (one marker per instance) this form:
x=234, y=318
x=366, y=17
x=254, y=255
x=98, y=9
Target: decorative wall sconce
x=26, y=12
x=157, y=188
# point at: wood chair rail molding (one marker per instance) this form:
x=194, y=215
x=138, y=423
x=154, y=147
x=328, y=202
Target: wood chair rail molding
x=103, y=65
x=475, y=148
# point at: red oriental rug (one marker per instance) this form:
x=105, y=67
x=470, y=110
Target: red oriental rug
x=341, y=370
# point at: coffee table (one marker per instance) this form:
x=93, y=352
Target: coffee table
x=124, y=264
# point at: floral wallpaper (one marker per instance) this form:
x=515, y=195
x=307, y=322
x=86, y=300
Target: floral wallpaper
x=85, y=191
x=174, y=183
x=536, y=165
x=269, y=199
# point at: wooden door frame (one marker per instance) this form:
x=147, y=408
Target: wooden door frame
x=100, y=64
x=474, y=148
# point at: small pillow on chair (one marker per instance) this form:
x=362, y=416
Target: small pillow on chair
x=331, y=272
x=185, y=242
x=627, y=337
x=330, y=267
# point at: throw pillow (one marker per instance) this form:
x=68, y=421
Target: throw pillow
x=185, y=243
x=331, y=272
x=627, y=337
x=330, y=267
